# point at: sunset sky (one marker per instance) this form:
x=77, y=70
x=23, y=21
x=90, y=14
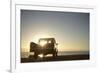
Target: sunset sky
x=70, y=29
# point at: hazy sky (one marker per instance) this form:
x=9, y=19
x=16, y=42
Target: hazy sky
x=70, y=29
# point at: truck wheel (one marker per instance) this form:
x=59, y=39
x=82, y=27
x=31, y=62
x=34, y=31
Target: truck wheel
x=35, y=55
x=54, y=54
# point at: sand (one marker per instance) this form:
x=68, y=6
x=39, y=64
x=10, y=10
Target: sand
x=31, y=59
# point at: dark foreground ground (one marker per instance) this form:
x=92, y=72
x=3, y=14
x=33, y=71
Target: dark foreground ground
x=58, y=58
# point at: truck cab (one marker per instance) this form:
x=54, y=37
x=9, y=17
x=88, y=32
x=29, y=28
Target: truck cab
x=44, y=47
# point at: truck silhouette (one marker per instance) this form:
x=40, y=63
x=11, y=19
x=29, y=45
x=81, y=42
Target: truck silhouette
x=45, y=46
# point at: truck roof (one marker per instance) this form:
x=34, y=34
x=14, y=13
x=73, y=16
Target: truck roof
x=52, y=39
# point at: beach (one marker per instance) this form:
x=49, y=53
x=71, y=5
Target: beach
x=69, y=56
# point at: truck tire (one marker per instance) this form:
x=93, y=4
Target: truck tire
x=54, y=54
x=35, y=55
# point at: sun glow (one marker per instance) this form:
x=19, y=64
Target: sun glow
x=41, y=55
x=42, y=43
x=38, y=36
